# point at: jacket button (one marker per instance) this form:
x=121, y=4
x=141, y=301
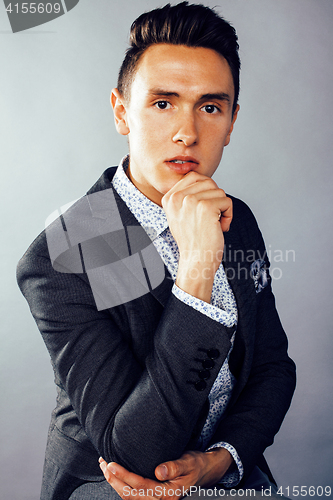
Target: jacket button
x=200, y=385
x=204, y=374
x=213, y=353
x=208, y=364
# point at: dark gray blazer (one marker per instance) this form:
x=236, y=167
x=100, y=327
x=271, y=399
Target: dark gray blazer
x=127, y=377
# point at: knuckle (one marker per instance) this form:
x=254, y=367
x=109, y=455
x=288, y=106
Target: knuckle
x=108, y=476
x=189, y=200
x=174, y=468
x=175, y=197
x=211, y=184
x=193, y=174
x=203, y=204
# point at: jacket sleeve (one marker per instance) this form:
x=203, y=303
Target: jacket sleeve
x=136, y=412
x=263, y=393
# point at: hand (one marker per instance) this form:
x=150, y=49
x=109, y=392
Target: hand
x=194, y=468
x=198, y=212
x=127, y=484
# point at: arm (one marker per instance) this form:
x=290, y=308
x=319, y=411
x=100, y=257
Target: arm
x=116, y=398
x=256, y=414
x=116, y=394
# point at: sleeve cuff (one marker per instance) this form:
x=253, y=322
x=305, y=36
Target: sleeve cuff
x=209, y=310
x=234, y=476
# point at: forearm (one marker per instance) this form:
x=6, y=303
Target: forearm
x=118, y=397
x=166, y=400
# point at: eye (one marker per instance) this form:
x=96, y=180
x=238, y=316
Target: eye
x=210, y=108
x=162, y=104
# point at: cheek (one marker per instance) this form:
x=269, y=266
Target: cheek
x=219, y=139
x=148, y=132
x=214, y=142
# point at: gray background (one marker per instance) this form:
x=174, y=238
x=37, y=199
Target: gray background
x=57, y=136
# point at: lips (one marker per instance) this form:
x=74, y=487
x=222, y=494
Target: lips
x=182, y=164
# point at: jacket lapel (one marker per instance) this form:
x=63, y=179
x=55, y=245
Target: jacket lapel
x=161, y=286
x=163, y=290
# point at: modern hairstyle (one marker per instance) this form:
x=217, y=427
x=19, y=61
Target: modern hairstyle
x=193, y=25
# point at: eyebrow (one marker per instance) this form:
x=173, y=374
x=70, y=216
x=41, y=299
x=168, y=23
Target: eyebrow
x=220, y=96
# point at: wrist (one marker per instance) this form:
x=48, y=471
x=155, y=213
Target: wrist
x=196, y=280
x=219, y=461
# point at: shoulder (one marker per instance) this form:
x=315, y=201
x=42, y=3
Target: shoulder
x=244, y=222
x=58, y=242
x=242, y=211
x=104, y=182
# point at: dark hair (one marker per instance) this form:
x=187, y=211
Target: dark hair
x=182, y=24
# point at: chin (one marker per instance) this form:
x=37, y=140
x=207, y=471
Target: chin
x=167, y=188
x=170, y=183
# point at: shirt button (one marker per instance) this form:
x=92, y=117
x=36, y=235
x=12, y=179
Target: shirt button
x=200, y=385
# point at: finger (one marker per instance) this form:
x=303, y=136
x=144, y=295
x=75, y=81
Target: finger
x=194, y=185
x=124, y=490
x=226, y=217
x=133, y=480
x=192, y=177
x=189, y=179
x=209, y=194
x=191, y=198
x=201, y=189
x=220, y=206
x=103, y=465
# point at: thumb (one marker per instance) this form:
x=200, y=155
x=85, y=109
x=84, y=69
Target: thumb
x=162, y=472
x=170, y=470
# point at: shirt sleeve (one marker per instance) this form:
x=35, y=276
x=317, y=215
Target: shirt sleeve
x=234, y=476
x=209, y=310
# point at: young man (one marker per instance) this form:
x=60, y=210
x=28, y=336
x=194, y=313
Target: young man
x=182, y=375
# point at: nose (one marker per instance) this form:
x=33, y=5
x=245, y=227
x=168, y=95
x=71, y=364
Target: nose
x=186, y=127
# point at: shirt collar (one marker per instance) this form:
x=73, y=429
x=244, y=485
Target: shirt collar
x=151, y=216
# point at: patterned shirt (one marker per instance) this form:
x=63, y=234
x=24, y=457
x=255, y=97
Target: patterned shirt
x=222, y=307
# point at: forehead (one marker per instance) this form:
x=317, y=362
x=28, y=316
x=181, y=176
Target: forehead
x=195, y=70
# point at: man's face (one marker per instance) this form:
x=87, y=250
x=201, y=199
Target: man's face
x=179, y=117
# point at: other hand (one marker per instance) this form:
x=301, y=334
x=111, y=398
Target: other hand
x=174, y=478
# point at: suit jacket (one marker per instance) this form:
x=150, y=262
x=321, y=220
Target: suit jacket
x=127, y=376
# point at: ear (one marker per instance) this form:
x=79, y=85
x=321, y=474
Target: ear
x=119, y=111
x=234, y=118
